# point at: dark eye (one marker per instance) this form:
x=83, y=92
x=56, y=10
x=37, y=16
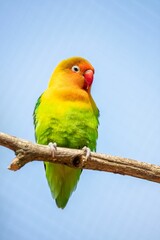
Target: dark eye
x=75, y=69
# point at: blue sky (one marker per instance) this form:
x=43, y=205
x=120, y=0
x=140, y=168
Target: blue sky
x=122, y=41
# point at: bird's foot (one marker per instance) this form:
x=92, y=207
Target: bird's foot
x=87, y=152
x=53, y=148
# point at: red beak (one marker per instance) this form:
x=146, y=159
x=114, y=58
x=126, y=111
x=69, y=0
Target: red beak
x=88, y=76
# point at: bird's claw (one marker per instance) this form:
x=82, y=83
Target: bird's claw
x=87, y=152
x=53, y=148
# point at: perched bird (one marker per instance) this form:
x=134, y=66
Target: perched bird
x=67, y=114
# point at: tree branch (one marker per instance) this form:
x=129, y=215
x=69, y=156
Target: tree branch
x=26, y=151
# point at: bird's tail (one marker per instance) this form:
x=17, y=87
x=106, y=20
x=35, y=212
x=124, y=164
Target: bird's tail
x=62, y=181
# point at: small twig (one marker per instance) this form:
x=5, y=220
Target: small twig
x=27, y=152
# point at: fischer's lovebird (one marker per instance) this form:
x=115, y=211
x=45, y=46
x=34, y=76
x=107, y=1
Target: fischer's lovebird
x=66, y=114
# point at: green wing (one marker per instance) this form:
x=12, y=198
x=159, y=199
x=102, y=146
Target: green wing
x=35, y=111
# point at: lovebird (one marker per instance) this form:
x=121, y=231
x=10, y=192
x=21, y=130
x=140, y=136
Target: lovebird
x=66, y=114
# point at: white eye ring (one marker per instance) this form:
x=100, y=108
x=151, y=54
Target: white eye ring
x=75, y=68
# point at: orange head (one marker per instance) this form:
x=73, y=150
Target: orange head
x=74, y=72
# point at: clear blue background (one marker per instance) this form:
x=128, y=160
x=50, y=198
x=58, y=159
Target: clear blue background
x=122, y=41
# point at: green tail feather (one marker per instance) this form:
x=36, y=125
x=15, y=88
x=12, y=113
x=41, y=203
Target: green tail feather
x=62, y=181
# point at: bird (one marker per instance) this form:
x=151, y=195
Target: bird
x=66, y=114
